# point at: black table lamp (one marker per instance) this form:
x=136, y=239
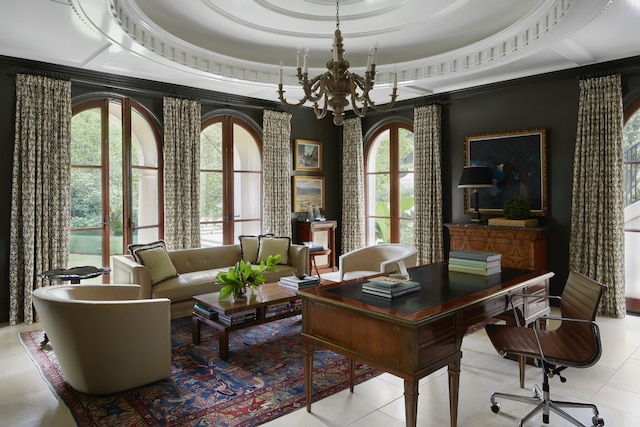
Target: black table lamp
x=476, y=177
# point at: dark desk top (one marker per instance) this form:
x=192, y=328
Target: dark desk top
x=440, y=291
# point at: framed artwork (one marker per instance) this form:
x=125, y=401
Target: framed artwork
x=518, y=163
x=308, y=155
x=308, y=191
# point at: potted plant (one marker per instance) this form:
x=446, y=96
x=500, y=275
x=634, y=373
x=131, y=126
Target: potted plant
x=517, y=208
x=243, y=275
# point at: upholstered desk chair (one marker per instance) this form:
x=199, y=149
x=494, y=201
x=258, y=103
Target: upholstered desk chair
x=106, y=340
x=373, y=260
x=575, y=343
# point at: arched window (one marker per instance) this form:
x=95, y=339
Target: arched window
x=116, y=180
x=230, y=181
x=389, y=191
x=631, y=180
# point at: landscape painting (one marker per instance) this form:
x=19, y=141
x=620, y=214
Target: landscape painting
x=308, y=155
x=308, y=191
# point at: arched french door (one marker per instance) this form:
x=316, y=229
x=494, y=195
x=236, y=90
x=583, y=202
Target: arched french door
x=116, y=180
x=230, y=180
x=389, y=189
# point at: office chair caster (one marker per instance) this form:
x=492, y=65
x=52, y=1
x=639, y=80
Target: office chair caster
x=597, y=421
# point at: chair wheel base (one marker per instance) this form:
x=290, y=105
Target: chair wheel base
x=495, y=408
x=597, y=421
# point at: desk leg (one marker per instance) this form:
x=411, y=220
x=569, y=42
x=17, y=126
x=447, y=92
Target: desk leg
x=411, y=402
x=307, y=355
x=454, y=388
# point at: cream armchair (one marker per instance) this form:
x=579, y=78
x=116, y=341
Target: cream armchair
x=372, y=260
x=106, y=340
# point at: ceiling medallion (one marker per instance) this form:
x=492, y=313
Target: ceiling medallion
x=334, y=87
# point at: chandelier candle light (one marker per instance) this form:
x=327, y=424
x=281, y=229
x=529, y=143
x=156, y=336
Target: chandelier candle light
x=335, y=86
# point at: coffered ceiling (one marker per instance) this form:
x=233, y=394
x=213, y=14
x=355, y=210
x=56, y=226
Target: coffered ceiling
x=236, y=46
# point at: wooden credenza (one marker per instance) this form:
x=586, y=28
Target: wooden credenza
x=521, y=247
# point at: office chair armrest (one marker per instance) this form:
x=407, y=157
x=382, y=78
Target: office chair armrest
x=525, y=296
x=594, y=325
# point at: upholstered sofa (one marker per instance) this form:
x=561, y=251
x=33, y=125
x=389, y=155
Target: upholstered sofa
x=193, y=271
x=105, y=338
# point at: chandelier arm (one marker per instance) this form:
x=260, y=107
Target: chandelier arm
x=360, y=83
x=286, y=103
x=314, y=90
x=385, y=107
x=325, y=108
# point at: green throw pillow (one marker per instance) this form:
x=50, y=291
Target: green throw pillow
x=154, y=256
x=272, y=246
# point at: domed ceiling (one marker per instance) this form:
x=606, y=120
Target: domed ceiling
x=237, y=46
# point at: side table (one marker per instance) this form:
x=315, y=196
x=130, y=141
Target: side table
x=73, y=274
x=312, y=257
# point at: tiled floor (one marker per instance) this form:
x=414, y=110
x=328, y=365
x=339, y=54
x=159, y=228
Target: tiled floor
x=613, y=384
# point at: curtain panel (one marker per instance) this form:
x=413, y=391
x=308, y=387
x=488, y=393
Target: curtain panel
x=428, y=184
x=596, y=246
x=276, y=173
x=182, y=118
x=353, y=216
x=41, y=196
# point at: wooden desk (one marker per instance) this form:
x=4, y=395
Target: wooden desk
x=410, y=336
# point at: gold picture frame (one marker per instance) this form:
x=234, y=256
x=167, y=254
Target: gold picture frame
x=518, y=162
x=308, y=191
x=308, y=155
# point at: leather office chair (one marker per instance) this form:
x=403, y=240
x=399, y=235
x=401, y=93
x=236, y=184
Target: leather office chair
x=575, y=343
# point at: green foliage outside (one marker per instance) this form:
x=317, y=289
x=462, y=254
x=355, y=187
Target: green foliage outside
x=631, y=138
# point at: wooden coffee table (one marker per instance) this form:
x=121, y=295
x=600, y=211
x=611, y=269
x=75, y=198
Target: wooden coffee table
x=269, y=303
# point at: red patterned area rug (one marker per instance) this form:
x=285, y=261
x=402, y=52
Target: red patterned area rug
x=262, y=380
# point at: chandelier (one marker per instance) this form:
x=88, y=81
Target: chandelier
x=335, y=86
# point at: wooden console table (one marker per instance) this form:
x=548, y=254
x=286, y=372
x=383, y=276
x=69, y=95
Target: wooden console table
x=521, y=247
x=410, y=336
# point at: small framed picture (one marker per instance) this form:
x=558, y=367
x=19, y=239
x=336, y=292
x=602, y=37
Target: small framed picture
x=308, y=155
x=308, y=191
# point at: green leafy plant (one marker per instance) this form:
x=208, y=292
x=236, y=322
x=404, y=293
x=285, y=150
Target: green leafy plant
x=243, y=275
x=517, y=208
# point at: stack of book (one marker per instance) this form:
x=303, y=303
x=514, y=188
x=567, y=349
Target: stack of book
x=475, y=262
x=238, y=317
x=205, y=312
x=277, y=309
x=296, y=284
x=390, y=287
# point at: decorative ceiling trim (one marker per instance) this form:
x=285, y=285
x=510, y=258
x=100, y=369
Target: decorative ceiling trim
x=141, y=37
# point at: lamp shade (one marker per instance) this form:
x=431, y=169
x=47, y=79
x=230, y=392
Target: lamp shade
x=476, y=177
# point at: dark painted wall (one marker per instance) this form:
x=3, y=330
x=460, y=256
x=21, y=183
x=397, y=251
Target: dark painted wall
x=548, y=101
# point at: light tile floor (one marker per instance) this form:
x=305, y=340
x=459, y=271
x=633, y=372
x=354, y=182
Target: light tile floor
x=613, y=384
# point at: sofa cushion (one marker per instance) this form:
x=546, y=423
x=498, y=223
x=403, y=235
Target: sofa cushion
x=249, y=248
x=154, y=256
x=268, y=245
x=187, y=285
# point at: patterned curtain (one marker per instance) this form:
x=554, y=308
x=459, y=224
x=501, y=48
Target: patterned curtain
x=596, y=246
x=41, y=196
x=428, y=184
x=277, y=176
x=353, y=220
x=182, y=173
